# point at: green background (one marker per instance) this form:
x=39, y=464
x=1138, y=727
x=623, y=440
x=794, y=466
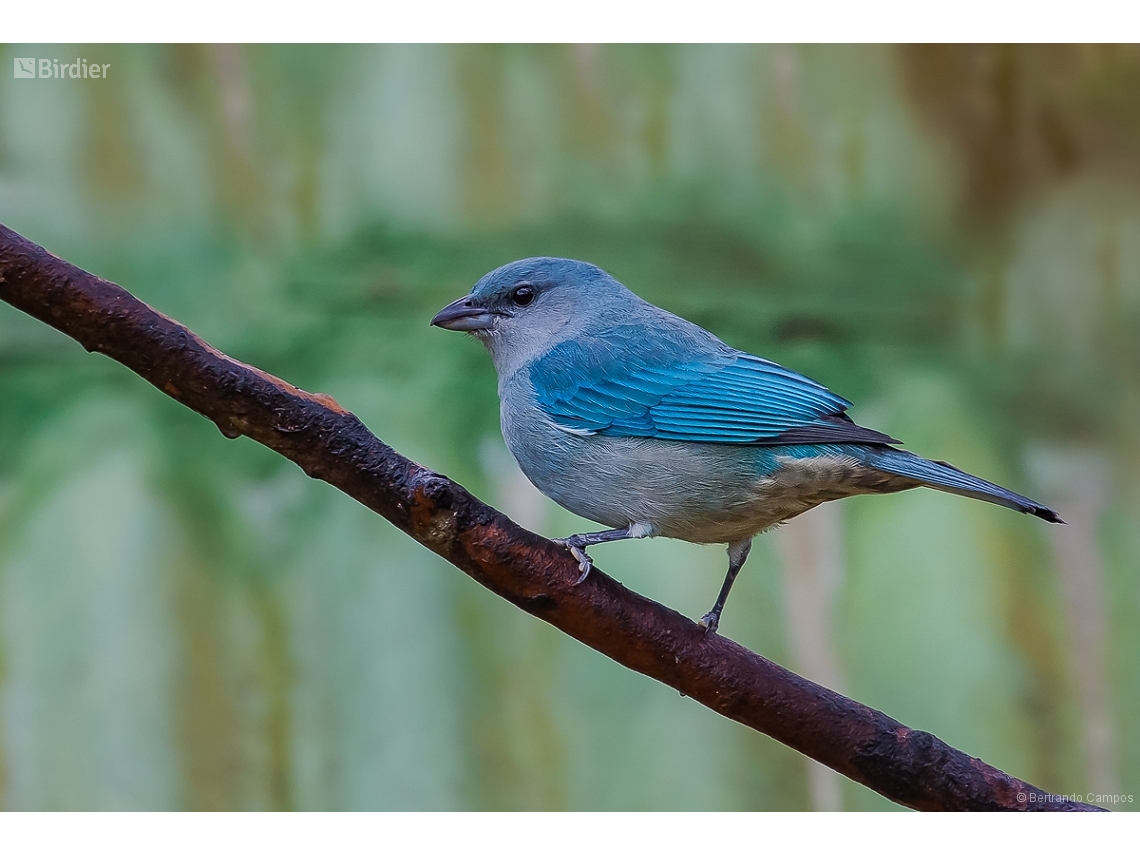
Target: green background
x=949, y=236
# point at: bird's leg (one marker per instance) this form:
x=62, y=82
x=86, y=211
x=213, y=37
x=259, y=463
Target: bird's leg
x=737, y=555
x=577, y=543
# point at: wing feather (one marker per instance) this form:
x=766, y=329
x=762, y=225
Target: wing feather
x=621, y=384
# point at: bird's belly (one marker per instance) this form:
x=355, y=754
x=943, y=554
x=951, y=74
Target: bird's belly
x=700, y=492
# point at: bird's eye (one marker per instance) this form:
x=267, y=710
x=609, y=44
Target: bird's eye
x=523, y=295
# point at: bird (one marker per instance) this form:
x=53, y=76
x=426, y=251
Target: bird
x=639, y=420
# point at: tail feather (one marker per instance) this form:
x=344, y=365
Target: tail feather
x=943, y=476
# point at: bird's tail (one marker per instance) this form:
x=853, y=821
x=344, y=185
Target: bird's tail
x=943, y=476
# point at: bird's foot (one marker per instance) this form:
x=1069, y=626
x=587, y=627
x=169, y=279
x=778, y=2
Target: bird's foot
x=710, y=622
x=585, y=565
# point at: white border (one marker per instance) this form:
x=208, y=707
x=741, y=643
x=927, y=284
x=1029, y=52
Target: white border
x=555, y=834
x=71, y=21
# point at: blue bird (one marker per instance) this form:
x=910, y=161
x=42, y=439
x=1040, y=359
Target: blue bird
x=639, y=420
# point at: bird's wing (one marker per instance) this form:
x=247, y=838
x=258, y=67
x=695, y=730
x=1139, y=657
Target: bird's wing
x=623, y=384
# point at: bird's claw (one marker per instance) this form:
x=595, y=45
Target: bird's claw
x=585, y=565
x=709, y=622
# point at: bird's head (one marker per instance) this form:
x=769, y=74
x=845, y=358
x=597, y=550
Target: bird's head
x=524, y=308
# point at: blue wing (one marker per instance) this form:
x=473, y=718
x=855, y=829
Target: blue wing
x=624, y=383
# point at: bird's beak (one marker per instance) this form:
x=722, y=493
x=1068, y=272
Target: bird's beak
x=463, y=315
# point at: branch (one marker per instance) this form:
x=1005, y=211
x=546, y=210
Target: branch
x=911, y=767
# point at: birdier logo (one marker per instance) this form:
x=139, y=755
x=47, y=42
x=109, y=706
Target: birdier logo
x=81, y=68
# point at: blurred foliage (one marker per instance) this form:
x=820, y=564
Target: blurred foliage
x=948, y=235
